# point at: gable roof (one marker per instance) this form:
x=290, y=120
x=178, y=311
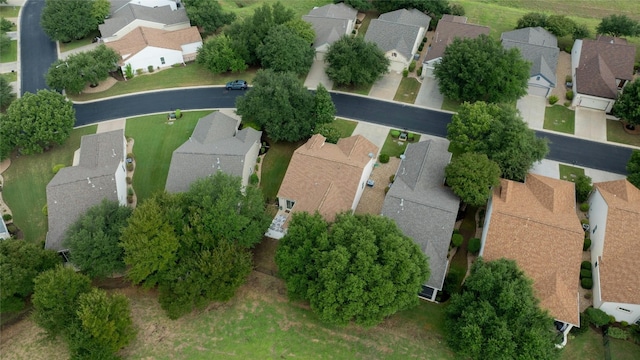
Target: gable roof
x=535, y=223
x=397, y=30
x=408, y=17
x=325, y=177
x=538, y=46
x=74, y=189
x=449, y=28
x=335, y=11
x=425, y=209
x=124, y=14
x=141, y=37
x=620, y=261
x=215, y=145
x=601, y=62
x=327, y=30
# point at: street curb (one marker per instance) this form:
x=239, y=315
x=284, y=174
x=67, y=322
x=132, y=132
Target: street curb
x=147, y=92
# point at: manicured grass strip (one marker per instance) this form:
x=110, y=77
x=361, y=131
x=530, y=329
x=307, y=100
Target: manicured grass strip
x=616, y=133
x=9, y=11
x=345, y=127
x=584, y=346
x=11, y=76
x=79, y=43
x=395, y=148
x=450, y=105
x=25, y=182
x=570, y=173
x=624, y=350
x=408, y=90
x=274, y=167
x=362, y=90
x=11, y=54
x=559, y=118
x=154, y=142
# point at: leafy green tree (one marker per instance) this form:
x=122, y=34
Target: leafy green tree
x=481, y=69
x=560, y=25
x=633, y=168
x=361, y=269
x=64, y=76
x=497, y=316
x=471, y=177
x=331, y=134
x=6, y=93
x=100, y=10
x=353, y=61
x=66, y=20
x=324, y=108
x=500, y=133
x=280, y=104
x=5, y=25
x=218, y=56
x=55, y=298
x=283, y=50
x=208, y=14
x=598, y=317
x=627, y=106
x=93, y=240
x=583, y=187
x=76, y=71
x=581, y=31
x=302, y=29
x=362, y=5
x=618, y=25
x=36, y=121
x=20, y=263
x=432, y=7
x=532, y=19
x=5, y=42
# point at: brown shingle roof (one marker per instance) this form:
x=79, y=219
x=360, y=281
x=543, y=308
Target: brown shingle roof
x=620, y=262
x=138, y=39
x=535, y=224
x=325, y=177
x=449, y=28
x=601, y=62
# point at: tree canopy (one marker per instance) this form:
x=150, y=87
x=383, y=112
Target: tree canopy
x=353, y=61
x=433, y=7
x=362, y=5
x=217, y=55
x=583, y=187
x=324, y=108
x=208, y=14
x=633, y=168
x=618, y=25
x=20, y=263
x=471, y=176
x=497, y=316
x=284, y=50
x=100, y=10
x=303, y=29
x=36, y=121
x=500, y=133
x=66, y=20
x=361, y=268
x=76, y=71
x=627, y=106
x=481, y=69
x=6, y=94
x=558, y=25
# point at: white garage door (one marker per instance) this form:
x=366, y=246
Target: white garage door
x=537, y=90
x=593, y=103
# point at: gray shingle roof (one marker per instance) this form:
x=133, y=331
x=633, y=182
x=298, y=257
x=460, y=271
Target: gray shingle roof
x=397, y=30
x=538, y=46
x=327, y=30
x=424, y=209
x=73, y=190
x=214, y=145
x=128, y=13
x=408, y=17
x=335, y=11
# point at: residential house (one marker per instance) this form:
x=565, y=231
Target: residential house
x=535, y=223
x=449, y=28
x=215, y=145
x=614, y=216
x=540, y=48
x=144, y=47
x=97, y=173
x=424, y=208
x=399, y=34
x=600, y=68
x=127, y=15
x=330, y=22
x=324, y=177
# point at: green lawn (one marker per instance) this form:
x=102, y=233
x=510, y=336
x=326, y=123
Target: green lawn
x=10, y=55
x=587, y=346
x=450, y=105
x=154, y=142
x=408, y=90
x=395, y=148
x=345, y=127
x=369, y=15
x=616, y=133
x=624, y=350
x=79, y=43
x=11, y=77
x=274, y=166
x=559, y=118
x=25, y=182
x=362, y=90
x=9, y=11
x=570, y=173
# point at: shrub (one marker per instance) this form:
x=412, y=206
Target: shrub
x=584, y=207
x=553, y=99
x=474, y=245
x=7, y=217
x=405, y=72
x=139, y=71
x=129, y=166
x=568, y=49
x=567, y=103
x=150, y=68
x=586, y=245
x=128, y=71
x=130, y=155
x=583, y=187
x=586, y=283
x=45, y=210
x=412, y=66
x=253, y=179
x=584, y=325
x=584, y=221
x=258, y=160
x=424, y=40
x=585, y=274
x=420, y=47
x=411, y=136
x=130, y=199
x=395, y=133
x=129, y=190
x=129, y=180
x=419, y=72
x=624, y=323
x=569, y=95
x=457, y=240
x=618, y=333
x=568, y=78
x=256, y=168
x=392, y=178
x=57, y=168
x=353, y=31
x=586, y=265
x=178, y=113
x=383, y=158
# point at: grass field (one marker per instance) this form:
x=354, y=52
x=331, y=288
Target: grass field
x=154, y=142
x=624, y=350
x=11, y=54
x=9, y=11
x=559, y=118
x=450, y=105
x=570, y=173
x=408, y=90
x=587, y=346
x=11, y=77
x=345, y=127
x=25, y=182
x=274, y=166
x=79, y=43
x=616, y=133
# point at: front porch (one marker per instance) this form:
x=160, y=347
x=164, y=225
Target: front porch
x=277, y=229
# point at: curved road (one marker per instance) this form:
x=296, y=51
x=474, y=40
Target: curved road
x=565, y=149
x=37, y=51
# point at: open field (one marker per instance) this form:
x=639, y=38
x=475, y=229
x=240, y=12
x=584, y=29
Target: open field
x=244, y=8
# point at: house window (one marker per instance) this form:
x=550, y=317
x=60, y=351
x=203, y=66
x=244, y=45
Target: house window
x=538, y=78
x=625, y=310
x=162, y=60
x=290, y=204
x=394, y=54
x=596, y=264
x=621, y=83
x=594, y=229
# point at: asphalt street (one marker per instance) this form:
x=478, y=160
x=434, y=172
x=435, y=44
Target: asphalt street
x=565, y=149
x=37, y=51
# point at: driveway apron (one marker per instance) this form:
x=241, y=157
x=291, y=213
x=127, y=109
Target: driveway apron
x=318, y=75
x=591, y=124
x=386, y=87
x=429, y=94
x=532, y=109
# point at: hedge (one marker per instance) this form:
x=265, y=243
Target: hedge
x=585, y=274
x=586, y=283
x=383, y=158
x=618, y=333
x=598, y=317
x=457, y=240
x=474, y=245
x=586, y=265
x=569, y=95
x=584, y=207
x=395, y=133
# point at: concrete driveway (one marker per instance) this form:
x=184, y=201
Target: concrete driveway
x=532, y=109
x=591, y=124
x=375, y=133
x=429, y=94
x=318, y=75
x=386, y=87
